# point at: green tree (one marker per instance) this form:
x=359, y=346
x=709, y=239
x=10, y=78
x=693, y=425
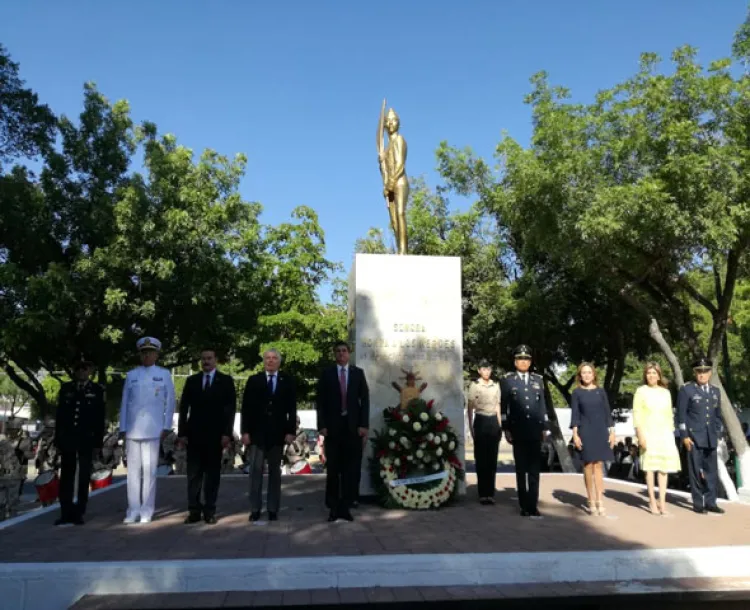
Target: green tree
x=641, y=189
x=26, y=126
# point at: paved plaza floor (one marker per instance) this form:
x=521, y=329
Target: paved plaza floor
x=464, y=547
x=302, y=529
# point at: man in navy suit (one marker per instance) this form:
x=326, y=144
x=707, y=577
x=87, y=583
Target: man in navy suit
x=269, y=420
x=343, y=405
x=699, y=421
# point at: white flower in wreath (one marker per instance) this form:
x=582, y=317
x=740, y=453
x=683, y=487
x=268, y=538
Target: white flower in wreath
x=405, y=419
x=437, y=440
x=451, y=445
x=397, y=462
x=430, y=436
x=436, y=466
x=424, y=416
x=423, y=445
x=439, y=416
x=409, y=458
x=391, y=445
x=404, y=441
x=439, y=451
x=444, y=436
x=392, y=432
x=417, y=426
x=427, y=459
x=421, y=466
x=420, y=454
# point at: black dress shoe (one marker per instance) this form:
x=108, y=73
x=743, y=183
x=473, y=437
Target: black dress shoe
x=715, y=509
x=273, y=516
x=192, y=518
x=210, y=520
x=332, y=516
x=346, y=515
x=525, y=513
x=535, y=513
x=77, y=520
x=61, y=521
x=699, y=509
x=254, y=516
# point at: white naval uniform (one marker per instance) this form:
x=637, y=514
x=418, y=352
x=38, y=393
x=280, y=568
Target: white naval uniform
x=148, y=404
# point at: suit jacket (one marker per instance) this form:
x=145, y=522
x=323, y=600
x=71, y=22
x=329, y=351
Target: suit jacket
x=207, y=415
x=268, y=417
x=328, y=400
x=699, y=415
x=80, y=418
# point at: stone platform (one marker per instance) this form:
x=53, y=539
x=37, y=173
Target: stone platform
x=466, y=545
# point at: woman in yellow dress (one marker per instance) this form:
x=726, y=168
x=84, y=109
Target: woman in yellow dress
x=654, y=426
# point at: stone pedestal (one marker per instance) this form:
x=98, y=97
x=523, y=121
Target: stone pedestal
x=405, y=314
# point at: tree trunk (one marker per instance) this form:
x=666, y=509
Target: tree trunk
x=561, y=448
x=734, y=432
x=655, y=332
x=726, y=364
x=31, y=386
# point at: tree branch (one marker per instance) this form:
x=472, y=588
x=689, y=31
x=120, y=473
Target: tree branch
x=697, y=296
x=721, y=316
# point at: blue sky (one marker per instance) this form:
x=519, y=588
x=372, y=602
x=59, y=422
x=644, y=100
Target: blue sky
x=297, y=85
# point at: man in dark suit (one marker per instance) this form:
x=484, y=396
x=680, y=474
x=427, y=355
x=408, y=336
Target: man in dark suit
x=343, y=405
x=269, y=419
x=79, y=434
x=207, y=409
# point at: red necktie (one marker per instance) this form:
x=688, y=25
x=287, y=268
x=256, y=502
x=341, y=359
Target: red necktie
x=342, y=385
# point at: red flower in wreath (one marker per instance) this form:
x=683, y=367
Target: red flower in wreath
x=430, y=403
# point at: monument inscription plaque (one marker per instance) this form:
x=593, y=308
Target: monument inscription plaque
x=405, y=316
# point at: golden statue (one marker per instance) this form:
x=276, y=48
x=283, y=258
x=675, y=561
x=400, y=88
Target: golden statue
x=392, y=159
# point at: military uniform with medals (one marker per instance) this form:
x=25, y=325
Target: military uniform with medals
x=699, y=419
x=524, y=417
x=79, y=433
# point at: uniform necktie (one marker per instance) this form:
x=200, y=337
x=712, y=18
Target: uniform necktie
x=270, y=384
x=342, y=386
x=207, y=382
x=526, y=379
x=705, y=389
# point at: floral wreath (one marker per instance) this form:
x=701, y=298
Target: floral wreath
x=415, y=463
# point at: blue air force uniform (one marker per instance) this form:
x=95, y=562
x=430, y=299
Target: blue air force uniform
x=699, y=419
x=524, y=415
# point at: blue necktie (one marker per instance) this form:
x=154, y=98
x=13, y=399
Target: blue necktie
x=270, y=384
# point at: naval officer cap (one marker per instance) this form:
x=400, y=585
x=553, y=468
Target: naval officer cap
x=702, y=365
x=522, y=351
x=148, y=343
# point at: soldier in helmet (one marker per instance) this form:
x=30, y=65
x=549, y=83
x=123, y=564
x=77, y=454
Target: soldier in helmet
x=699, y=422
x=524, y=417
x=79, y=435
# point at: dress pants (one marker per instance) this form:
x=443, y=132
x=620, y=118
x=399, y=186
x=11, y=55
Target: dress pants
x=527, y=454
x=203, y=473
x=143, y=460
x=69, y=459
x=258, y=455
x=703, y=488
x=486, y=442
x=343, y=449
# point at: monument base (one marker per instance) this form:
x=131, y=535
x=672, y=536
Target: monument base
x=405, y=326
